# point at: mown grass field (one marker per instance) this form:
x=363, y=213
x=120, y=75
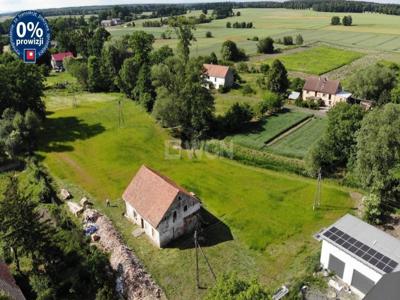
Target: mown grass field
x=268, y=215
x=297, y=143
x=370, y=31
x=257, y=136
x=317, y=60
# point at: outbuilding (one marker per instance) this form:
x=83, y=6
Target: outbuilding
x=358, y=253
x=57, y=59
x=218, y=75
x=163, y=209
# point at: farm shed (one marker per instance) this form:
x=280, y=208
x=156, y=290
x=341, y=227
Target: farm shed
x=58, y=59
x=218, y=75
x=8, y=285
x=358, y=253
x=329, y=91
x=164, y=210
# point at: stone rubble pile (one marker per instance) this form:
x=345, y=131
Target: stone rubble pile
x=133, y=281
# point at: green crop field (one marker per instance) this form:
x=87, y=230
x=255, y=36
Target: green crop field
x=270, y=127
x=370, y=31
x=317, y=60
x=267, y=216
x=297, y=143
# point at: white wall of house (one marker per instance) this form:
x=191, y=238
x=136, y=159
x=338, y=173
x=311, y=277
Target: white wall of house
x=329, y=99
x=149, y=230
x=222, y=81
x=351, y=264
x=180, y=219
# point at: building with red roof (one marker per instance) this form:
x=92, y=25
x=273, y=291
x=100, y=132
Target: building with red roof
x=329, y=91
x=218, y=75
x=163, y=209
x=8, y=285
x=57, y=59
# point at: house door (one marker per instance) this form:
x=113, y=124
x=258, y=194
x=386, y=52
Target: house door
x=361, y=282
x=142, y=223
x=336, y=265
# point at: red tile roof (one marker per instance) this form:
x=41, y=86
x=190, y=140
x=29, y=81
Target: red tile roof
x=151, y=194
x=5, y=275
x=322, y=85
x=216, y=70
x=61, y=56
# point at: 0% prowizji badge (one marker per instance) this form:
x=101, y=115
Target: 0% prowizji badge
x=29, y=35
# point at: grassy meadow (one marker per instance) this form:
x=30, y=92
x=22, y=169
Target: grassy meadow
x=317, y=60
x=266, y=217
x=370, y=31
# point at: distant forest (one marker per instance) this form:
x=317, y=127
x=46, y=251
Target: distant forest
x=166, y=10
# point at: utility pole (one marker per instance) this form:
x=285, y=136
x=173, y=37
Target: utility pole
x=317, y=197
x=197, y=247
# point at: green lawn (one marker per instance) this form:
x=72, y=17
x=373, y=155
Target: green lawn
x=299, y=142
x=370, y=31
x=317, y=60
x=270, y=127
x=269, y=214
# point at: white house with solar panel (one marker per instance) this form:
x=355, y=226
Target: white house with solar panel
x=358, y=253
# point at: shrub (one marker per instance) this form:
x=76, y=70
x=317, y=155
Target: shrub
x=209, y=34
x=299, y=40
x=264, y=68
x=287, y=40
x=255, y=38
x=266, y=45
x=228, y=25
x=271, y=102
x=335, y=20
x=238, y=115
x=247, y=90
x=296, y=84
x=230, y=51
x=243, y=67
x=347, y=20
x=372, y=210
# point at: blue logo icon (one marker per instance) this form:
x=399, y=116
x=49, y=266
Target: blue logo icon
x=29, y=35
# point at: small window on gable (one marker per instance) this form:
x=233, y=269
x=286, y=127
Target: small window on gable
x=134, y=214
x=174, y=217
x=185, y=208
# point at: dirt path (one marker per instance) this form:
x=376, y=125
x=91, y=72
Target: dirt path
x=261, y=57
x=83, y=174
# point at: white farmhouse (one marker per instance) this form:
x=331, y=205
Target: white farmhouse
x=358, y=253
x=164, y=210
x=219, y=76
x=329, y=91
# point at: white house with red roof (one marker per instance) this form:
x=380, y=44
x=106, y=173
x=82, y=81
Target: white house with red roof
x=329, y=91
x=163, y=209
x=57, y=59
x=218, y=75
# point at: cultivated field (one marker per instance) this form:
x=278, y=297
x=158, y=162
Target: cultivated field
x=270, y=127
x=267, y=217
x=297, y=143
x=370, y=31
x=317, y=60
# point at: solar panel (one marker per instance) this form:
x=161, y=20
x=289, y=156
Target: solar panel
x=361, y=250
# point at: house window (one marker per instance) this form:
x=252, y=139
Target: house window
x=152, y=232
x=174, y=217
x=134, y=214
x=215, y=79
x=185, y=208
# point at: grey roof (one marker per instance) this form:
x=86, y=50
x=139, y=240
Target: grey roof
x=370, y=236
x=387, y=288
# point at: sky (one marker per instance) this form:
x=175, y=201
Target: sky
x=17, y=5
